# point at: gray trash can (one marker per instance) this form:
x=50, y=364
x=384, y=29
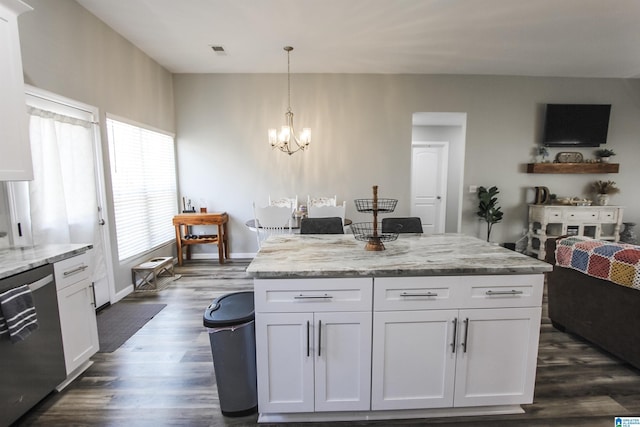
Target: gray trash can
x=230, y=321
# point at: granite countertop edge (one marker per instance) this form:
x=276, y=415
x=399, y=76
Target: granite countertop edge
x=18, y=260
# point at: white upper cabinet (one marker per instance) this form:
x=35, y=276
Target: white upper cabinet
x=15, y=156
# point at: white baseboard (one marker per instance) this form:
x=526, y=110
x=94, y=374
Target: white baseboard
x=212, y=255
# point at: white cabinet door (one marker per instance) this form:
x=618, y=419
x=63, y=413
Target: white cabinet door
x=497, y=356
x=78, y=324
x=413, y=359
x=15, y=162
x=313, y=362
x=285, y=357
x=342, y=361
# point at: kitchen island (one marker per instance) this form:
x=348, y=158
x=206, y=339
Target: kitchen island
x=433, y=326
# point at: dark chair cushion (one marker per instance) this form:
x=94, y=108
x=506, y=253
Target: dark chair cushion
x=327, y=225
x=411, y=224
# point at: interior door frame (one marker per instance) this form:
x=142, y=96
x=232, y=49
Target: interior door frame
x=101, y=214
x=444, y=163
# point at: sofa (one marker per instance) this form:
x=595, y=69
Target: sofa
x=598, y=310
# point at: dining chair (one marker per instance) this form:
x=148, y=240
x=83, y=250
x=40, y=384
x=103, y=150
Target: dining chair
x=290, y=202
x=327, y=211
x=411, y=224
x=321, y=201
x=328, y=225
x=270, y=220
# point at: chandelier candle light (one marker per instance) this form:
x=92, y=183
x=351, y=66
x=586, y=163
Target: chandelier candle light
x=287, y=140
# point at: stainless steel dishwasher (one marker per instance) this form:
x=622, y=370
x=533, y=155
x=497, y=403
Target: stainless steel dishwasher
x=32, y=368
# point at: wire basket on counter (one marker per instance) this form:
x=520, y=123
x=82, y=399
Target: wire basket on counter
x=364, y=231
x=368, y=205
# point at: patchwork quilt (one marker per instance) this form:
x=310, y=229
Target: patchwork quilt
x=616, y=262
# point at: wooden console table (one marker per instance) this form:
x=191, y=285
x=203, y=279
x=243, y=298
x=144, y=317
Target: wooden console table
x=184, y=237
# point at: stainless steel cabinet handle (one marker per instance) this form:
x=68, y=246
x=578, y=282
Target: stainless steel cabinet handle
x=75, y=270
x=466, y=334
x=428, y=294
x=308, y=339
x=301, y=296
x=319, y=338
x=455, y=333
x=511, y=292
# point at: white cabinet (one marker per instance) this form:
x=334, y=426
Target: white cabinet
x=15, y=162
x=396, y=346
x=432, y=348
x=77, y=311
x=548, y=221
x=313, y=353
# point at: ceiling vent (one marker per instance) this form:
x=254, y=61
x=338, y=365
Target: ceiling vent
x=219, y=50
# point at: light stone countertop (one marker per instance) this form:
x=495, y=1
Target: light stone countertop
x=297, y=256
x=13, y=261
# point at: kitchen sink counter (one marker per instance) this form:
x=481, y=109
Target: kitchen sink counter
x=14, y=261
x=410, y=255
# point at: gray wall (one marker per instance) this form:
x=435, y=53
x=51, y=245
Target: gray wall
x=362, y=130
x=362, y=125
x=68, y=51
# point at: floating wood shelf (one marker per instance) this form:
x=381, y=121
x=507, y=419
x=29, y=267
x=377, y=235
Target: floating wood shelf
x=573, y=167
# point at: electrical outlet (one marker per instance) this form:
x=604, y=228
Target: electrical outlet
x=473, y=189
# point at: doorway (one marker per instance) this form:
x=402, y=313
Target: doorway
x=446, y=128
x=429, y=162
x=64, y=203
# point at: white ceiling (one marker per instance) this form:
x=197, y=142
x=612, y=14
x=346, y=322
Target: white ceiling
x=572, y=38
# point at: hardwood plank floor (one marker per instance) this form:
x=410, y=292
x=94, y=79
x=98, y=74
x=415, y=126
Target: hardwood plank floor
x=163, y=375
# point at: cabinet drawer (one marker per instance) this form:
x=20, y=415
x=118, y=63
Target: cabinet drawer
x=586, y=215
x=503, y=291
x=609, y=215
x=306, y=295
x=554, y=215
x=415, y=293
x=72, y=270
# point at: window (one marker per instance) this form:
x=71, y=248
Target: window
x=143, y=177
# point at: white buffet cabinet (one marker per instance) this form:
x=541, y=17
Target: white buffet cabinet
x=548, y=221
x=77, y=313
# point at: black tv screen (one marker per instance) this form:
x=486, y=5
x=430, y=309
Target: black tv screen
x=576, y=125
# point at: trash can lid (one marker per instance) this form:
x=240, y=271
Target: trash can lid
x=229, y=310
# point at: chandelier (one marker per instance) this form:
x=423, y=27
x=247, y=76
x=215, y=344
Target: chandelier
x=287, y=140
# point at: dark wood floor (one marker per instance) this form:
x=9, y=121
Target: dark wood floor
x=163, y=376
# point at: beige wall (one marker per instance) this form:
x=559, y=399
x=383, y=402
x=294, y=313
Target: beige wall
x=362, y=130
x=68, y=51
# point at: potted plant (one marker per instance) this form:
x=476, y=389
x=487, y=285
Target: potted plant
x=604, y=154
x=488, y=208
x=543, y=152
x=603, y=190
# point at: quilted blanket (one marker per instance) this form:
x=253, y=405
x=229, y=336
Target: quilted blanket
x=616, y=262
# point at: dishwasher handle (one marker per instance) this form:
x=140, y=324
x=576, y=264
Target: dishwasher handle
x=34, y=286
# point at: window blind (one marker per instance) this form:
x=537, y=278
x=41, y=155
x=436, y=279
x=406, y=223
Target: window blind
x=143, y=176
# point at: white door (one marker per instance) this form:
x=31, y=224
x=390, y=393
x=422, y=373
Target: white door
x=429, y=184
x=343, y=361
x=413, y=359
x=498, y=366
x=67, y=196
x=285, y=358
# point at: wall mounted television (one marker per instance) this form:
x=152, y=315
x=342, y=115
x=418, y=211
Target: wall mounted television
x=576, y=125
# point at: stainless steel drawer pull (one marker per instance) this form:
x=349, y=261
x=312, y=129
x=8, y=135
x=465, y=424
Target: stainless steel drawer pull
x=511, y=292
x=325, y=296
x=75, y=270
x=428, y=294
